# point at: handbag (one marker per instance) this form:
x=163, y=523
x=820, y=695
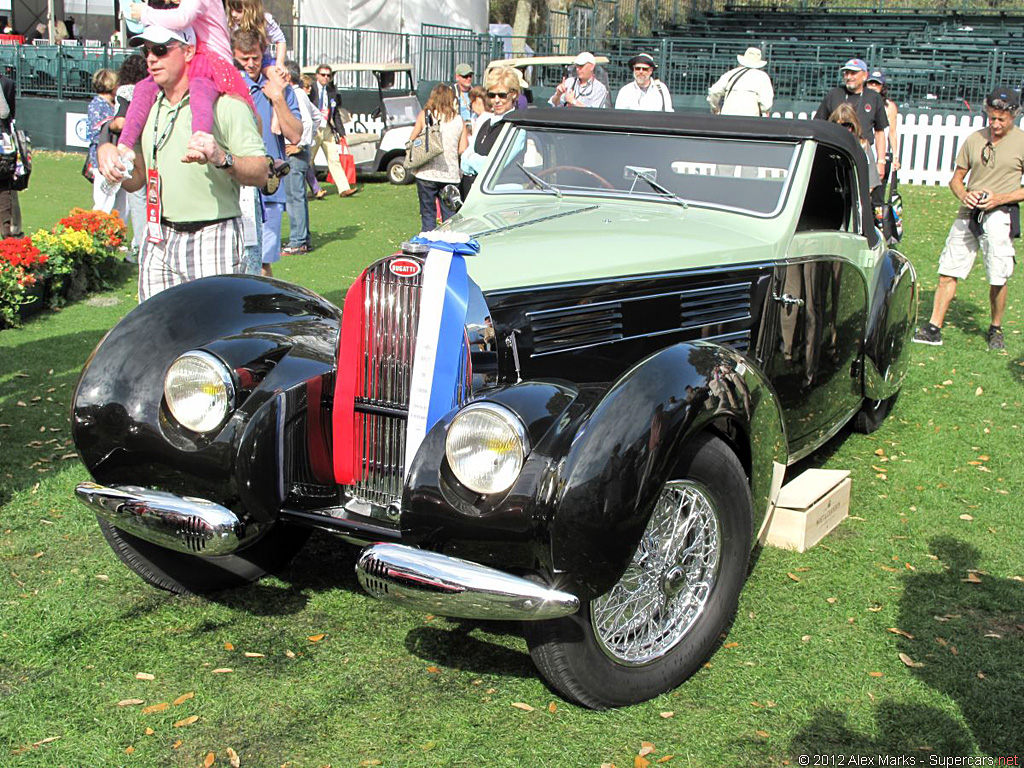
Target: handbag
x=88, y=170
x=346, y=161
x=892, y=214
x=424, y=147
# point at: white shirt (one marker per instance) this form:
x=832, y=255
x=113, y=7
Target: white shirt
x=655, y=99
x=751, y=92
x=590, y=94
x=306, y=111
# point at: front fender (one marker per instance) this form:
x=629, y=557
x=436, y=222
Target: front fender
x=890, y=324
x=281, y=334
x=630, y=445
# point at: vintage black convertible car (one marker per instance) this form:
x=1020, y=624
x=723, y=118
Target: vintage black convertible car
x=583, y=426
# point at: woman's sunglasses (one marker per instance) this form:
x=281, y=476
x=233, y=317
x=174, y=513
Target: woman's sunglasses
x=159, y=49
x=497, y=94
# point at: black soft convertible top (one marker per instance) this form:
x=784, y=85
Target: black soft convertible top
x=691, y=124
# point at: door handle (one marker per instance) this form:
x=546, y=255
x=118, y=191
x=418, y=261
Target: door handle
x=788, y=300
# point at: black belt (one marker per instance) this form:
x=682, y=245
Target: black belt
x=192, y=226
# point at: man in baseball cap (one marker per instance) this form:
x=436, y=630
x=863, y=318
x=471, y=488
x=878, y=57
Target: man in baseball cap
x=583, y=90
x=463, y=83
x=163, y=36
x=869, y=105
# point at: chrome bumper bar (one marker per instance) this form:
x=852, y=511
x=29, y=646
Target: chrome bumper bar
x=447, y=586
x=180, y=523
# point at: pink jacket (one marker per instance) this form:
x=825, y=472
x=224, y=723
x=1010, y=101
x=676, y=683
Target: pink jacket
x=206, y=17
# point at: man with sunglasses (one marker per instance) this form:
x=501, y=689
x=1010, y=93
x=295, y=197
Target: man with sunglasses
x=584, y=90
x=645, y=92
x=870, y=107
x=193, y=219
x=991, y=161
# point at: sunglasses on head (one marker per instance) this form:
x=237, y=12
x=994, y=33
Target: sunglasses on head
x=497, y=94
x=158, y=49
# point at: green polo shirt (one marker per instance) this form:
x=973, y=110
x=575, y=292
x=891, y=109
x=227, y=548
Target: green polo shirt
x=191, y=191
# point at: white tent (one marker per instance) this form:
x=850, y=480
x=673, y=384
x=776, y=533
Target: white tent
x=394, y=15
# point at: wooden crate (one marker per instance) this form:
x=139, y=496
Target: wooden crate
x=808, y=508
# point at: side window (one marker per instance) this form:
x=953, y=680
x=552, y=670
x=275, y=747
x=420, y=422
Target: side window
x=830, y=203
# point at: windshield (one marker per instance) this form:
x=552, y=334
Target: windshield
x=401, y=110
x=743, y=175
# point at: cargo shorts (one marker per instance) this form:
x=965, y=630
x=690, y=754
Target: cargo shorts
x=996, y=246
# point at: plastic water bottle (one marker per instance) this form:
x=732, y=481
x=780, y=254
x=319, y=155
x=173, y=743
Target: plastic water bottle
x=108, y=191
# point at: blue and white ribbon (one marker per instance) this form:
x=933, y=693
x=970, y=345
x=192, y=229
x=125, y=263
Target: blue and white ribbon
x=439, y=336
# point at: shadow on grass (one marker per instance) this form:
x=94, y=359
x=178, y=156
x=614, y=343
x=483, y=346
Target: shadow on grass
x=39, y=433
x=903, y=729
x=346, y=232
x=968, y=631
x=456, y=647
x=1016, y=366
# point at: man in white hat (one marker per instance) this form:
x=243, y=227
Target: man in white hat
x=193, y=218
x=583, y=90
x=744, y=90
x=645, y=92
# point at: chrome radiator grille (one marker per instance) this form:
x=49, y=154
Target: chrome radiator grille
x=390, y=319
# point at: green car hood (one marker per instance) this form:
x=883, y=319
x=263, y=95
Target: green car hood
x=568, y=241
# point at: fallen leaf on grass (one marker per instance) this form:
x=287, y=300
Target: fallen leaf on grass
x=875, y=674
x=880, y=452
x=522, y=706
x=290, y=654
x=731, y=645
x=897, y=631
x=129, y=702
x=233, y=760
x=184, y=697
x=888, y=568
x=187, y=721
x=966, y=517
x=806, y=638
x=831, y=600
x=664, y=759
x=222, y=670
x=316, y=638
x=978, y=391
x=129, y=750
x=176, y=744
x=910, y=662
x=552, y=707
x=254, y=655
x=874, y=608
x=646, y=747
x=433, y=670
x=972, y=578
x=762, y=734
x=149, y=731
x=981, y=675
x=208, y=760
x=666, y=715
x=371, y=761
x=144, y=676
x=228, y=647
x=793, y=576
x=640, y=762
x=155, y=708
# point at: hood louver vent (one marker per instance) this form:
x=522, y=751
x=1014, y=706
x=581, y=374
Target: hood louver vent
x=556, y=330
x=714, y=304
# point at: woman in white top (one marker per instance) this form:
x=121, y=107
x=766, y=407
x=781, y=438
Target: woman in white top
x=436, y=173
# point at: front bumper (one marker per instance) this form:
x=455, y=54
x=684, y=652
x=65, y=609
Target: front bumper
x=429, y=581
x=180, y=523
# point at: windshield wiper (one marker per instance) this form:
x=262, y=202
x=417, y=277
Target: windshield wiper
x=649, y=176
x=545, y=185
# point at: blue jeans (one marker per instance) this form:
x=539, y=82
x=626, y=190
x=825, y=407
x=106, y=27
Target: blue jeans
x=296, y=203
x=428, y=192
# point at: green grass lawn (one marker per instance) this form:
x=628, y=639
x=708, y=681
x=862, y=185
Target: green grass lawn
x=812, y=665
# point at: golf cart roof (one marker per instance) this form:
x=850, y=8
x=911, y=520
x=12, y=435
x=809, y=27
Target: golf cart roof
x=355, y=66
x=535, y=61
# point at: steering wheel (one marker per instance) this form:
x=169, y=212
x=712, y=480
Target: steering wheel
x=585, y=171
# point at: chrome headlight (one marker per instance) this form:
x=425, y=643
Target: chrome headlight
x=199, y=391
x=486, y=446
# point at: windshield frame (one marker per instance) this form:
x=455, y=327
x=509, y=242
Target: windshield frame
x=500, y=161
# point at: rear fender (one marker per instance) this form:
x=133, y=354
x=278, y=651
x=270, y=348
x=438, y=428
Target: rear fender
x=890, y=324
x=629, y=447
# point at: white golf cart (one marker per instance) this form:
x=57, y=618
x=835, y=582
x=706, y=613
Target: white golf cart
x=377, y=139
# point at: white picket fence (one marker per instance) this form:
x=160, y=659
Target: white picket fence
x=928, y=144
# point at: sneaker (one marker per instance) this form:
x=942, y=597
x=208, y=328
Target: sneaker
x=929, y=334
x=291, y=249
x=995, y=337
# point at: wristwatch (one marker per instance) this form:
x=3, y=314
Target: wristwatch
x=229, y=162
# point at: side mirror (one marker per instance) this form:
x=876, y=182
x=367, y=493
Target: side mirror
x=451, y=196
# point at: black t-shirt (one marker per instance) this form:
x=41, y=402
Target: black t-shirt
x=869, y=104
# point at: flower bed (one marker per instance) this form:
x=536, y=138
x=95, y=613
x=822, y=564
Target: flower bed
x=76, y=257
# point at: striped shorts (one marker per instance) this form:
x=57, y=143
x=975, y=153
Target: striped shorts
x=185, y=256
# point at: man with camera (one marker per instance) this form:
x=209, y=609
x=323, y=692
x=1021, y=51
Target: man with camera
x=193, y=220
x=991, y=161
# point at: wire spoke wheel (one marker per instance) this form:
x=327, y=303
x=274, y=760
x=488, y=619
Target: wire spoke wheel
x=667, y=585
